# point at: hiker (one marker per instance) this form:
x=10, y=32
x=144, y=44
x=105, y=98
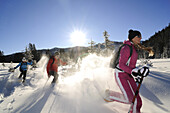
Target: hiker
x=52, y=66
x=126, y=70
x=23, y=68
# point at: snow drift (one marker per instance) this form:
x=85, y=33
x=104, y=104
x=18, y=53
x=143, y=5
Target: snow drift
x=80, y=88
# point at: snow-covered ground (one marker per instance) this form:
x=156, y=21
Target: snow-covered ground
x=80, y=90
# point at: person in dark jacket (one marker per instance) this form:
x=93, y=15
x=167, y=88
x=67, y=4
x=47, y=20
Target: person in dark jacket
x=23, y=68
x=52, y=66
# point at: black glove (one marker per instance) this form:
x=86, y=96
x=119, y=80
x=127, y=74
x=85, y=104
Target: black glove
x=144, y=71
x=135, y=72
x=30, y=60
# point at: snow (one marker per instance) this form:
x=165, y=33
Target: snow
x=79, y=90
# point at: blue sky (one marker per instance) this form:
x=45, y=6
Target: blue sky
x=50, y=23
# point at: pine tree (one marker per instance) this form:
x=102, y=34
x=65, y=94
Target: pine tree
x=1, y=53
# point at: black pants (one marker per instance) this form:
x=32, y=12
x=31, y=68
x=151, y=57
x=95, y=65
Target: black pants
x=23, y=73
x=55, y=74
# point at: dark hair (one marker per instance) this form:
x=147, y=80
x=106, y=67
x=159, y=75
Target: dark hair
x=133, y=33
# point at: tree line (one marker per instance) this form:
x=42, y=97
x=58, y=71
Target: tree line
x=160, y=42
x=31, y=53
x=17, y=57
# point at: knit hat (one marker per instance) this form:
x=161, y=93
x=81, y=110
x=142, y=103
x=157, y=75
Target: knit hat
x=56, y=53
x=24, y=59
x=132, y=34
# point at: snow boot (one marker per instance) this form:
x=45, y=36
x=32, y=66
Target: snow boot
x=107, y=94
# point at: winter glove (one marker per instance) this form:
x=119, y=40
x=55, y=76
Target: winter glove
x=30, y=60
x=144, y=71
x=135, y=72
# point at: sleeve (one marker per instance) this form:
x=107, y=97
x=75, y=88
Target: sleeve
x=123, y=59
x=62, y=63
x=29, y=63
x=17, y=65
x=48, y=65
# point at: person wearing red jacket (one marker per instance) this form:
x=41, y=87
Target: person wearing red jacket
x=52, y=66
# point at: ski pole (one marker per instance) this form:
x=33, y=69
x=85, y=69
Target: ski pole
x=142, y=73
x=136, y=93
x=45, y=83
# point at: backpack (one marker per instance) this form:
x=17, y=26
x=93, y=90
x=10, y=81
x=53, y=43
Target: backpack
x=52, y=57
x=21, y=65
x=115, y=59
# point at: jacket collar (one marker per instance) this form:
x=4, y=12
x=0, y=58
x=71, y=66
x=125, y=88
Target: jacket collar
x=128, y=42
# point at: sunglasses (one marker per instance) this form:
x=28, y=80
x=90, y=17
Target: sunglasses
x=139, y=36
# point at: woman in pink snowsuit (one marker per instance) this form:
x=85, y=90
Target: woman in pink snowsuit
x=123, y=75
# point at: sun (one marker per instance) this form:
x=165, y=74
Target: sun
x=78, y=38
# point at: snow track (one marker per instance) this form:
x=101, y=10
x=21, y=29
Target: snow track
x=78, y=92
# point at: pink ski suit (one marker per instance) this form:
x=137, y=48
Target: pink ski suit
x=126, y=82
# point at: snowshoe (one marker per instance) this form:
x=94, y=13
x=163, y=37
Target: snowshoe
x=19, y=80
x=52, y=84
x=23, y=81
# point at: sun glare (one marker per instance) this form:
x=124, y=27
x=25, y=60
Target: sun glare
x=78, y=38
